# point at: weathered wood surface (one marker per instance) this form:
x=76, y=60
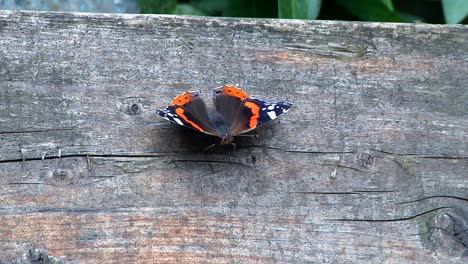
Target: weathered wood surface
x=369, y=166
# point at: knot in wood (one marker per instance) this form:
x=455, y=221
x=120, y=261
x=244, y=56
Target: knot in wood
x=366, y=160
x=455, y=225
x=449, y=234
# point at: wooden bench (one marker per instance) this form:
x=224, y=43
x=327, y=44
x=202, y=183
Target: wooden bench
x=369, y=166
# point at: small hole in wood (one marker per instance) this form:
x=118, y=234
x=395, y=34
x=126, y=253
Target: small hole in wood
x=133, y=109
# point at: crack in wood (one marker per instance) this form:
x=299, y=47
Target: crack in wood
x=325, y=193
x=213, y=161
x=87, y=156
x=434, y=196
x=419, y=155
x=25, y=183
x=148, y=155
x=388, y=220
x=376, y=191
x=296, y=151
x=35, y=131
x=353, y=192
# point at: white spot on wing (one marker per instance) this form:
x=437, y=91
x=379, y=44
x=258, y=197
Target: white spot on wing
x=271, y=107
x=177, y=120
x=271, y=114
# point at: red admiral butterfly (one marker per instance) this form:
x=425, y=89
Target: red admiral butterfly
x=234, y=113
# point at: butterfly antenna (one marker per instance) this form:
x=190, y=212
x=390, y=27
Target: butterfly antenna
x=252, y=136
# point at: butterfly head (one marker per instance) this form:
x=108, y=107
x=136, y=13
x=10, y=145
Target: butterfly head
x=226, y=139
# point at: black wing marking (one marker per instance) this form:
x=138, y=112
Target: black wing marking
x=228, y=106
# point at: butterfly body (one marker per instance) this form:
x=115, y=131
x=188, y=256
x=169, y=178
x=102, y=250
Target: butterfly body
x=234, y=112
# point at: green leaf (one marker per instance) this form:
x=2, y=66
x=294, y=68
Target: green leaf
x=455, y=11
x=388, y=4
x=157, y=6
x=410, y=18
x=302, y=9
x=186, y=9
x=251, y=8
x=210, y=7
x=371, y=10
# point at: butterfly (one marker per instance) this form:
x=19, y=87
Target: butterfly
x=233, y=114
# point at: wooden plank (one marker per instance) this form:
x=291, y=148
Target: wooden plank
x=369, y=166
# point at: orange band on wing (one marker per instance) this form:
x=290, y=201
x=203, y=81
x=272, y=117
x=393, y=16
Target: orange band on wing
x=236, y=92
x=180, y=112
x=183, y=99
x=255, y=114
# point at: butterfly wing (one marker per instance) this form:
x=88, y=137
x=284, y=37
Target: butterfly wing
x=254, y=113
x=228, y=101
x=243, y=113
x=189, y=110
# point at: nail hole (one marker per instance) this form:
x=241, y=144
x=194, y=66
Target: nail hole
x=134, y=109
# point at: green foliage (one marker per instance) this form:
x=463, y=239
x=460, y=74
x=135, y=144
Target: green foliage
x=371, y=10
x=388, y=4
x=157, y=6
x=303, y=9
x=186, y=9
x=210, y=7
x=428, y=11
x=251, y=8
x=455, y=10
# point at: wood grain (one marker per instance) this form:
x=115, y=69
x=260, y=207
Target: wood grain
x=370, y=165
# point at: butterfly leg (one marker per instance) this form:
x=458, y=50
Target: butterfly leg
x=234, y=146
x=209, y=147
